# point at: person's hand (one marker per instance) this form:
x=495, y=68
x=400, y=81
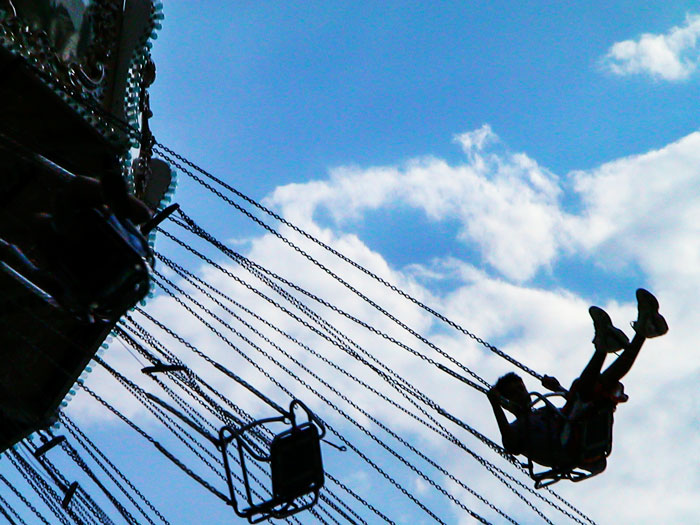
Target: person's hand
x=493, y=394
x=551, y=383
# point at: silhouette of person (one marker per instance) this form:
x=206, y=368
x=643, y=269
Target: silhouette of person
x=543, y=435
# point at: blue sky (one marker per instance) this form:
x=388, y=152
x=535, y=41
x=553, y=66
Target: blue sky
x=302, y=88
x=508, y=163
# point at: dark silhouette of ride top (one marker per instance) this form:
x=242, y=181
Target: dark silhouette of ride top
x=73, y=259
x=574, y=440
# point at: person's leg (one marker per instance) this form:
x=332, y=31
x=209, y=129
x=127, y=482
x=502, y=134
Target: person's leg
x=590, y=375
x=649, y=324
x=619, y=368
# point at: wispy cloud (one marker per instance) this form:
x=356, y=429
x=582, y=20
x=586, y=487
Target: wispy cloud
x=672, y=56
x=506, y=204
x=639, y=210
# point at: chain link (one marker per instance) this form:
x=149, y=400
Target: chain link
x=359, y=498
x=339, y=394
x=171, y=155
x=73, y=454
x=289, y=393
x=247, y=263
x=160, y=447
x=494, y=470
x=197, y=230
x=391, y=381
x=167, y=152
x=24, y=500
x=11, y=510
x=81, y=496
x=41, y=487
x=177, y=268
x=84, y=441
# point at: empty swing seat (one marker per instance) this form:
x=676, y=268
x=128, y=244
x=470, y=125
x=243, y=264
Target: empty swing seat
x=296, y=465
x=295, y=462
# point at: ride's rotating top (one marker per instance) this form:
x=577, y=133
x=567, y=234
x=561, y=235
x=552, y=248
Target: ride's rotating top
x=90, y=53
x=75, y=214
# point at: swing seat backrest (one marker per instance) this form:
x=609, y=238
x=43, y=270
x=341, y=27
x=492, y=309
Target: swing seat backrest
x=587, y=434
x=587, y=431
x=592, y=434
x=295, y=462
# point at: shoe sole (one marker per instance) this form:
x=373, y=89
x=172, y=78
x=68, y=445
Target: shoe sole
x=649, y=304
x=613, y=339
x=600, y=317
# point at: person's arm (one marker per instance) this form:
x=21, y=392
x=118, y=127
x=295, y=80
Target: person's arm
x=508, y=434
x=552, y=383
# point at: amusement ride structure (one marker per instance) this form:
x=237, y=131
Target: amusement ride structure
x=252, y=408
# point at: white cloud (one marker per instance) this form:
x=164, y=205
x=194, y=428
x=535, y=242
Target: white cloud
x=640, y=210
x=672, y=56
x=507, y=205
x=636, y=211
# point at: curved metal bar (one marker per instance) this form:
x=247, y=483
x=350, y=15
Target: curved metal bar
x=310, y=415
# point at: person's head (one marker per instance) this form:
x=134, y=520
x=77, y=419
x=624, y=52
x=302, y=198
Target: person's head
x=513, y=390
x=617, y=393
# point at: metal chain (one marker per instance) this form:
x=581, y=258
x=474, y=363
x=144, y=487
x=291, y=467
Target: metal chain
x=289, y=393
x=266, y=441
x=336, y=508
x=342, y=396
x=221, y=368
x=191, y=378
x=305, y=309
x=241, y=259
x=197, y=230
x=41, y=487
x=171, y=155
x=73, y=454
x=84, y=441
x=396, y=383
x=133, y=132
x=24, y=500
x=166, y=420
x=11, y=510
x=316, y=514
x=80, y=495
x=359, y=498
x=327, y=495
x=442, y=431
x=338, y=393
x=139, y=393
x=387, y=476
x=227, y=416
x=160, y=447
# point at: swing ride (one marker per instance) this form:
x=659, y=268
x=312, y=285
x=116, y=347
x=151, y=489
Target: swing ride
x=78, y=261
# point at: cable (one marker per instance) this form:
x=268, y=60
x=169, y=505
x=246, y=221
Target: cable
x=171, y=155
x=395, y=454
x=345, y=398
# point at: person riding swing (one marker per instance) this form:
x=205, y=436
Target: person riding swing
x=578, y=435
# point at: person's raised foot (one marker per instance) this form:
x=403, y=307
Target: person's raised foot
x=607, y=336
x=649, y=323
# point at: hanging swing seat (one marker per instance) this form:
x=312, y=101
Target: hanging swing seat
x=295, y=463
x=586, y=438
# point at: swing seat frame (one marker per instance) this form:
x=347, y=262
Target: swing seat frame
x=587, y=437
x=296, y=464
